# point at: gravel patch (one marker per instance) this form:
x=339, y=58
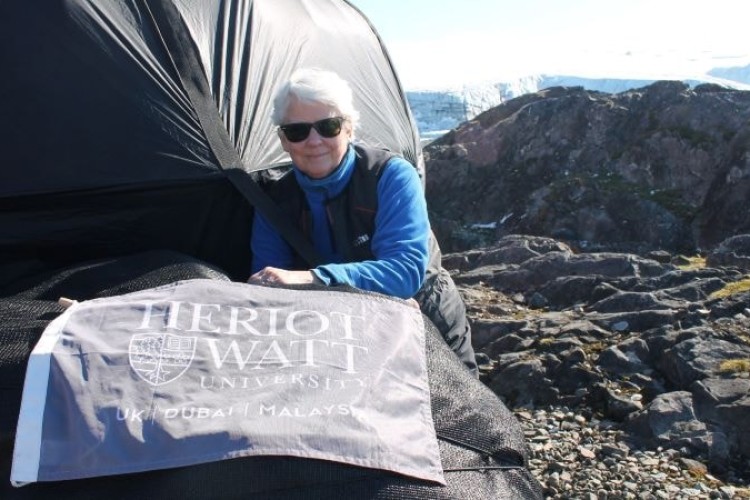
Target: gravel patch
x=574, y=456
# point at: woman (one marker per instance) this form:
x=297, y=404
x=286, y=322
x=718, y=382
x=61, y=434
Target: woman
x=363, y=209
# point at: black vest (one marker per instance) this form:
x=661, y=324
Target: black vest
x=351, y=214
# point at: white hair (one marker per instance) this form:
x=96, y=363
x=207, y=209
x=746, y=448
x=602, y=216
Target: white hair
x=315, y=85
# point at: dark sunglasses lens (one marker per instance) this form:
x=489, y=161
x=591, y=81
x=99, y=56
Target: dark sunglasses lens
x=296, y=132
x=330, y=127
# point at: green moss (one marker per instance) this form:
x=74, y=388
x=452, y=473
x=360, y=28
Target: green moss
x=695, y=138
x=610, y=183
x=594, y=347
x=734, y=365
x=671, y=199
x=695, y=262
x=733, y=288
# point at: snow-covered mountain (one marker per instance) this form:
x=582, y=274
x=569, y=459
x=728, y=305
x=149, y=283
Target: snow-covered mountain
x=437, y=111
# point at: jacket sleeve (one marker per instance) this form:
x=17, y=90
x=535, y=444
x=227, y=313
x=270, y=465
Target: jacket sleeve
x=399, y=242
x=268, y=247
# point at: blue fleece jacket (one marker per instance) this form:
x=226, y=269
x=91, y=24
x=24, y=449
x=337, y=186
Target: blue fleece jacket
x=399, y=243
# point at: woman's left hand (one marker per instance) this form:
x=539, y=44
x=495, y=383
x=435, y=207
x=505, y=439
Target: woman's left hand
x=282, y=276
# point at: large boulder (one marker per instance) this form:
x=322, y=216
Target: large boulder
x=591, y=167
x=732, y=252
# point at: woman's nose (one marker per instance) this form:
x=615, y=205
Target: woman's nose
x=314, y=137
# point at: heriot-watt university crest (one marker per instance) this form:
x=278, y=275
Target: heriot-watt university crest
x=160, y=358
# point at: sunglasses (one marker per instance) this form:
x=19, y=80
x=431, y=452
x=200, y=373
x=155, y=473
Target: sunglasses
x=327, y=127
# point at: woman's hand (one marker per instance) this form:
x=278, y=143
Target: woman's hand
x=282, y=276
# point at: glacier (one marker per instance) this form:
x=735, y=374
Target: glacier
x=436, y=111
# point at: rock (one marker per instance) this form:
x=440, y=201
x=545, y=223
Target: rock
x=724, y=211
x=586, y=452
x=538, y=301
x=524, y=384
x=589, y=168
x=670, y=418
x=662, y=416
x=695, y=291
x=681, y=260
x=634, y=321
x=485, y=332
x=508, y=343
x=635, y=301
x=698, y=358
x=652, y=364
x=618, y=407
x=572, y=375
x=515, y=249
x=621, y=362
x=647, y=386
x=661, y=256
x=732, y=252
x=539, y=270
x=565, y=291
x=726, y=403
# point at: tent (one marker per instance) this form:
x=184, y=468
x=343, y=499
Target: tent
x=123, y=121
x=136, y=141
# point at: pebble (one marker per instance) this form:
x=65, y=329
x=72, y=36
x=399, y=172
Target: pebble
x=576, y=457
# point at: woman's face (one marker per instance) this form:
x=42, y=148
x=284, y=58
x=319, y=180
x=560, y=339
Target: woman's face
x=315, y=156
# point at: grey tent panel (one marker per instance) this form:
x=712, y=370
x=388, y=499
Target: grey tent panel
x=92, y=97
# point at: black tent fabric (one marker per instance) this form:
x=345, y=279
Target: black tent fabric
x=482, y=447
x=105, y=152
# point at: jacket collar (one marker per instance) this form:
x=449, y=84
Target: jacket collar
x=332, y=184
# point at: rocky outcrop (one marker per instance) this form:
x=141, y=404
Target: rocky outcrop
x=660, y=347
x=661, y=167
x=733, y=252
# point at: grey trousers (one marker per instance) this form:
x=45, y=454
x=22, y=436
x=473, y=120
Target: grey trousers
x=440, y=301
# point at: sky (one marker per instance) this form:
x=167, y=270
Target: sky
x=445, y=43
